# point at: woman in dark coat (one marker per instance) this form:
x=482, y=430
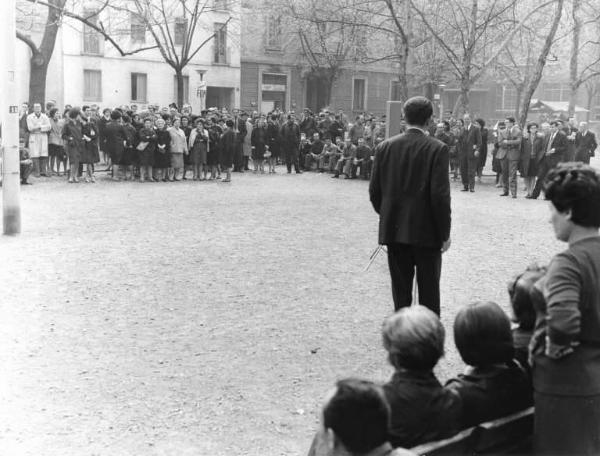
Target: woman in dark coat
x=533, y=145
x=115, y=137
x=130, y=153
x=494, y=385
x=146, y=148
x=74, y=144
x=259, y=139
x=484, y=148
x=565, y=348
x=162, y=153
x=90, y=154
x=212, y=154
x=227, y=146
x=198, y=144
x=273, y=142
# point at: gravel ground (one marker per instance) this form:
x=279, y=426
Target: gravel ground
x=210, y=319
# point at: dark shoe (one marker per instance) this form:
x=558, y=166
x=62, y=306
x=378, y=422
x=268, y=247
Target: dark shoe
x=528, y=197
x=472, y=190
x=464, y=190
x=26, y=183
x=504, y=194
x=298, y=172
x=335, y=176
x=514, y=196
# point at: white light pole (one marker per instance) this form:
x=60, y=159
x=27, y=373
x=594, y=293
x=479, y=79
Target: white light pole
x=11, y=186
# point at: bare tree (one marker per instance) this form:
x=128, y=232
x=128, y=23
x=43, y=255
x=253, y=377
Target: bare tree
x=590, y=49
x=534, y=80
x=331, y=36
x=472, y=37
x=175, y=26
x=41, y=54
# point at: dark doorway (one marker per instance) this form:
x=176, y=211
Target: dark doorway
x=316, y=92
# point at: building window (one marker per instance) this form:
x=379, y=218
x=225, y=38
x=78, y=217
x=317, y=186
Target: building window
x=186, y=89
x=92, y=85
x=555, y=91
x=139, y=85
x=220, y=47
x=274, y=32
x=180, y=30
x=138, y=28
x=506, y=98
x=91, y=38
x=359, y=95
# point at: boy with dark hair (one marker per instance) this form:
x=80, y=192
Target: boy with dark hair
x=355, y=422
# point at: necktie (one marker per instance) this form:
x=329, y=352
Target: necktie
x=550, y=143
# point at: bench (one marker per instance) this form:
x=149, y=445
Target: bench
x=511, y=434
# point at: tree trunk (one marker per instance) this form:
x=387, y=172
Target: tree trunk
x=539, y=67
x=463, y=101
x=180, y=87
x=573, y=64
x=40, y=57
x=37, y=79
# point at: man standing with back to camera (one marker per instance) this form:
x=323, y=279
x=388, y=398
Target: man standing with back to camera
x=410, y=191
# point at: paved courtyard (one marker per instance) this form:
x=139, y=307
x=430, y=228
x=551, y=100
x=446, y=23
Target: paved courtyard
x=201, y=318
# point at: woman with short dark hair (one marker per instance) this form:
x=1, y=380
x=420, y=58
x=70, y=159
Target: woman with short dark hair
x=73, y=137
x=494, y=385
x=422, y=410
x=565, y=348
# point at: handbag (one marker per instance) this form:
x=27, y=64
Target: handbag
x=141, y=146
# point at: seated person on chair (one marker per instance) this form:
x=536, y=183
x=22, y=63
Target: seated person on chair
x=329, y=155
x=362, y=160
x=494, y=385
x=422, y=409
x=520, y=291
x=25, y=165
x=315, y=153
x=345, y=162
x=354, y=422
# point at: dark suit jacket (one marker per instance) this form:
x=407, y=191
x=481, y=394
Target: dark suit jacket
x=560, y=145
x=585, y=144
x=488, y=393
x=410, y=190
x=422, y=410
x=471, y=138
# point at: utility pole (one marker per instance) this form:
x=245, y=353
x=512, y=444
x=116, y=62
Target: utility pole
x=11, y=184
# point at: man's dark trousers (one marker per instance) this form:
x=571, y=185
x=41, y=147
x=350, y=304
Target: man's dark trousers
x=468, y=171
x=403, y=259
x=544, y=168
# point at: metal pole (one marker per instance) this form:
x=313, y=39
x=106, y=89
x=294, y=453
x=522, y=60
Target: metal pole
x=11, y=186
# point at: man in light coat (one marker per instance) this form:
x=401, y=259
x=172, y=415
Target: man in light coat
x=38, y=125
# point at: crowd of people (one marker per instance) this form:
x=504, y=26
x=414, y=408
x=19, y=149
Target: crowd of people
x=166, y=144
x=549, y=357
x=532, y=153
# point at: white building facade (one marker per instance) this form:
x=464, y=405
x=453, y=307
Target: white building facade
x=86, y=69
